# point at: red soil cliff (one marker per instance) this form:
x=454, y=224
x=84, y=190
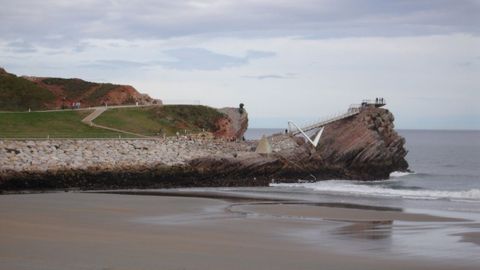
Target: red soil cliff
x=89, y=94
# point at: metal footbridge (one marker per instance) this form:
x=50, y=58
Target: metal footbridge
x=325, y=121
x=353, y=110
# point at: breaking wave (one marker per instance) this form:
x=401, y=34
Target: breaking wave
x=400, y=174
x=356, y=188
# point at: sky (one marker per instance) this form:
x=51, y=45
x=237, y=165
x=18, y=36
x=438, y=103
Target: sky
x=285, y=60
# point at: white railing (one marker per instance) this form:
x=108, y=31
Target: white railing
x=353, y=110
x=180, y=102
x=377, y=101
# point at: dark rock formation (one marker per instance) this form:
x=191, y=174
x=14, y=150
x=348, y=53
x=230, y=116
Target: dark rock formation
x=362, y=147
x=365, y=146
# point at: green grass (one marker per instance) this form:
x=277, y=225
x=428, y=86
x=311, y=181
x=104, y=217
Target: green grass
x=168, y=119
x=19, y=94
x=64, y=124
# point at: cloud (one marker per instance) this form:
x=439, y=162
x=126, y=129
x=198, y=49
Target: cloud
x=181, y=59
x=56, y=22
x=203, y=59
x=116, y=64
x=469, y=63
x=345, y=50
x=270, y=76
x=21, y=46
x=252, y=54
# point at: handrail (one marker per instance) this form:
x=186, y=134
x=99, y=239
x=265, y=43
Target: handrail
x=327, y=120
x=317, y=137
x=377, y=101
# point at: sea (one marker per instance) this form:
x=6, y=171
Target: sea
x=445, y=166
x=444, y=181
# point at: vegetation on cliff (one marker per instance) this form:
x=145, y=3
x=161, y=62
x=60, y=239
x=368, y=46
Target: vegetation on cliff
x=36, y=93
x=73, y=88
x=19, y=94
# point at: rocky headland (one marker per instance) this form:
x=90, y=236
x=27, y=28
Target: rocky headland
x=364, y=147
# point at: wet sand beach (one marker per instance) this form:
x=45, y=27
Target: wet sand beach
x=115, y=231
x=340, y=214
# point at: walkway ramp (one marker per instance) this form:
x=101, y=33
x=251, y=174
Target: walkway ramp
x=96, y=113
x=323, y=122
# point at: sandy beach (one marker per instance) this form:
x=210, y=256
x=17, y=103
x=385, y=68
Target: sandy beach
x=113, y=231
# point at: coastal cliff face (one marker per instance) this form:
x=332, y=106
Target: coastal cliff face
x=90, y=93
x=234, y=126
x=363, y=147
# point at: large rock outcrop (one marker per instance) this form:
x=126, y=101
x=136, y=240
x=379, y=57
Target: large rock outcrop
x=363, y=147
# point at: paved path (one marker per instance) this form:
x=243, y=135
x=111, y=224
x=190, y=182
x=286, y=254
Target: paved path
x=98, y=111
x=93, y=115
x=85, y=108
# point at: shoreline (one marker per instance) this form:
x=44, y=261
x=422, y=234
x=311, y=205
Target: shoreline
x=268, y=206
x=98, y=230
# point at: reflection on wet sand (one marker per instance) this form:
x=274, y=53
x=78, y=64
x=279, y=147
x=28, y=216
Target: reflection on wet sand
x=370, y=230
x=470, y=237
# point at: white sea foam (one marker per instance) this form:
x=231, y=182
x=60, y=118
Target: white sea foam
x=342, y=187
x=400, y=174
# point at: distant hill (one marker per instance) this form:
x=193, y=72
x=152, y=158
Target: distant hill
x=22, y=93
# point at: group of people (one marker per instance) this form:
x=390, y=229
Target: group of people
x=75, y=105
x=379, y=101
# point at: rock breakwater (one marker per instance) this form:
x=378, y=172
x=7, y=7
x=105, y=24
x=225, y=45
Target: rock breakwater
x=44, y=155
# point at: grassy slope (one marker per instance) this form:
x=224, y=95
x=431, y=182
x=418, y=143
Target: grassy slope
x=156, y=120
x=19, y=94
x=66, y=124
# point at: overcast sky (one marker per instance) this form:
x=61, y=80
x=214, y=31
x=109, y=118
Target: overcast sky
x=299, y=60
